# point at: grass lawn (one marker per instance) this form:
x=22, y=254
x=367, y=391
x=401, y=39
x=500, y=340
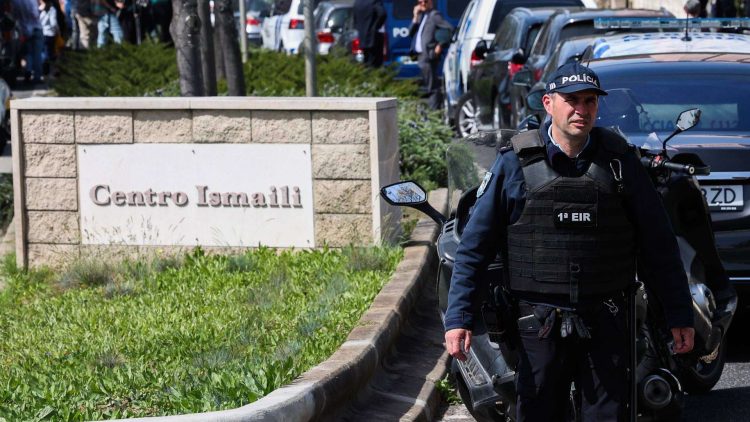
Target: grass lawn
x=174, y=336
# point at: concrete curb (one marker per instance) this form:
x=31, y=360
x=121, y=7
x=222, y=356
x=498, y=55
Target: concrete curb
x=329, y=386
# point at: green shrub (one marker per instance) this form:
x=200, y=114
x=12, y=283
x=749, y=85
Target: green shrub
x=150, y=69
x=117, y=70
x=6, y=200
x=195, y=338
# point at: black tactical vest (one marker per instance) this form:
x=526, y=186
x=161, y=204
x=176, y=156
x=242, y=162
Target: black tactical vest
x=573, y=239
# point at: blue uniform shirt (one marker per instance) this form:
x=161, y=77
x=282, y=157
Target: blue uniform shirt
x=503, y=201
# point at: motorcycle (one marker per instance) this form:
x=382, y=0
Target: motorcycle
x=485, y=380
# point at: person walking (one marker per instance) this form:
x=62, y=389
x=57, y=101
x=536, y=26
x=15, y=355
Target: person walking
x=426, y=22
x=48, y=17
x=369, y=18
x=569, y=207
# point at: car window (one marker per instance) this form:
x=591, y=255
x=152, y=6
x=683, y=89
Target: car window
x=456, y=8
x=508, y=34
x=337, y=18
x=463, y=24
x=651, y=104
x=531, y=34
x=403, y=9
x=256, y=5
x=502, y=8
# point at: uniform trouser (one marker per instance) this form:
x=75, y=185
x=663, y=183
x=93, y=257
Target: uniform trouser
x=597, y=366
x=374, y=54
x=429, y=70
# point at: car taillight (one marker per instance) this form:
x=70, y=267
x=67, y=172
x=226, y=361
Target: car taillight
x=252, y=22
x=296, y=24
x=538, y=75
x=513, y=68
x=475, y=60
x=355, y=47
x=325, y=37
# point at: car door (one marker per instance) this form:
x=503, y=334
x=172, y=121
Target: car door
x=452, y=68
x=493, y=69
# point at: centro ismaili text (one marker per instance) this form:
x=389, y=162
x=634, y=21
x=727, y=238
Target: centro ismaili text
x=281, y=197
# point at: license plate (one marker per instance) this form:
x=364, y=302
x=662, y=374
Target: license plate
x=723, y=197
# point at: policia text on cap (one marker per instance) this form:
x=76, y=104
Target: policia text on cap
x=569, y=237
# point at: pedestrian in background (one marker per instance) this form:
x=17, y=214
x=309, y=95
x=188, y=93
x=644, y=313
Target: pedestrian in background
x=107, y=21
x=369, y=18
x=425, y=23
x=50, y=29
x=26, y=14
x=160, y=18
x=84, y=15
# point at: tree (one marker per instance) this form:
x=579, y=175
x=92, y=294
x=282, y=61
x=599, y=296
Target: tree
x=228, y=37
x=185, y=29
x=207, y=48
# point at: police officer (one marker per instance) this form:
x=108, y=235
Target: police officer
x=569, y=207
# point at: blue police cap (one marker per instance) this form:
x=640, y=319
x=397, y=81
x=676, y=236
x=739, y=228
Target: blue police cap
x=574, y=77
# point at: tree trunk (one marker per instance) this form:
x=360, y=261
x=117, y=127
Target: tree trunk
x=219, y=56
x=228, y=37
x=207, y=48
x=185, y=29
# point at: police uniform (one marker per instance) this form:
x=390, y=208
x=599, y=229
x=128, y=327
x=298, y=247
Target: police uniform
x=569, y=230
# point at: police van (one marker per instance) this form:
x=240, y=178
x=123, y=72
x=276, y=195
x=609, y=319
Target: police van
x=400, y=14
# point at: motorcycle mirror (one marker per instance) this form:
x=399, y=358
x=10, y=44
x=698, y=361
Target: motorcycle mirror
x=686, y=120
x=410, y=194
x=404, y=193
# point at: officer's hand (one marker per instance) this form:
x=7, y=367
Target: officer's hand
x=683, y=339
x=453, y=340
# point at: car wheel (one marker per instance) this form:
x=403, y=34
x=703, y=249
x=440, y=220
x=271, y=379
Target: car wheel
x=702, y=377
x=466, y=120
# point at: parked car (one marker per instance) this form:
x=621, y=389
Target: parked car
x=494, y=65
x=619, y=45
x=332, y=20
x=646, y=91
x=255, y=12
x=284, y=29
x=480, y=21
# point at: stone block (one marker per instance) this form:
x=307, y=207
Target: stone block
x=338, y=230
x=48, y=160
x=342, y=196
x=340, y=127
x=162, y=126
x=104, y=127
x=231, y=126
x=54, y=256
x=53, y=227
x=47, y=127
x=51, y=194
x=289, y=127
x=341, y=161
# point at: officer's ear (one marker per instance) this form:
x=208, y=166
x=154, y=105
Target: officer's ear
x=547, y=102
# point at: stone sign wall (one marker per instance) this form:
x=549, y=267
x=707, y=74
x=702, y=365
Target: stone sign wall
x=353, y=144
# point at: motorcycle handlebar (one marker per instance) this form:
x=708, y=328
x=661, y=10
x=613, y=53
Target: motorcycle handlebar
x=688, y=169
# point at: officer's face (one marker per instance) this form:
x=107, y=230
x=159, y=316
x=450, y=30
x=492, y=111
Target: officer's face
x=573, y=114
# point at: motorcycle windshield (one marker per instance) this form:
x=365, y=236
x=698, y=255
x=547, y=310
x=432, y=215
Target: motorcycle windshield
x=467, y=160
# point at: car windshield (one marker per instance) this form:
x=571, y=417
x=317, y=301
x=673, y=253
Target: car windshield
x=649, y=102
